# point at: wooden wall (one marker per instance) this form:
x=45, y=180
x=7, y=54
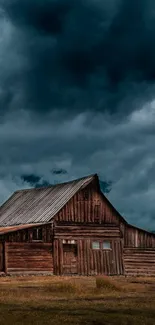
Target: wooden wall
x=139, y=261
x=28, y=257
x=73, y=230
x=134, y=237
x=1, y=257
x=88, y=206
x=25, y=235
x=85, y=218
x=91, y=261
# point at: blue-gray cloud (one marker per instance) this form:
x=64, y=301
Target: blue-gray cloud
x=77, y=94
x=78, y=55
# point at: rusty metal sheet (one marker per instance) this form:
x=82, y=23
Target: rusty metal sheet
x=5, y=230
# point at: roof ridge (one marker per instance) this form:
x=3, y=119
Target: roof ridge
x=54, y=185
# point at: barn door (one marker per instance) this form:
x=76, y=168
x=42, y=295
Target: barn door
x=69, y=259
x=1, y=258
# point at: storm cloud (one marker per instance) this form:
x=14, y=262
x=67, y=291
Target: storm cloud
x=76, y=55
x=77, y=84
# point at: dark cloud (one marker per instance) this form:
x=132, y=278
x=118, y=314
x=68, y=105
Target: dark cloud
x=80, y=55
x=49, y=151
x=46, y=17
x=59, y=171
x=77, y=82
x=31, y=179
x=37, y=181
x=34, y=180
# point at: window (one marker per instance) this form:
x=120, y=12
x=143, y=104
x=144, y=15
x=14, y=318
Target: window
x=95, y=245
x=25, y=235
x=96, y=213
x=106, y=245
x=37, y=234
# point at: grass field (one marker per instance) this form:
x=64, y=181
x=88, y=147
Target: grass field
x=78, y=300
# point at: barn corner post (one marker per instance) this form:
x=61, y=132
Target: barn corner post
x=54, y=248
x=5, y=257
x=52, y=241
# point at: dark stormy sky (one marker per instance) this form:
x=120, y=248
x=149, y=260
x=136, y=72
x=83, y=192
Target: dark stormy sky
x=77, y=94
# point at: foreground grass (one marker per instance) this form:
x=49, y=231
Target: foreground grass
x=77, y=301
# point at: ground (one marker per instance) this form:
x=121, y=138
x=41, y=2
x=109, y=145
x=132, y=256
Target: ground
x=41, y=300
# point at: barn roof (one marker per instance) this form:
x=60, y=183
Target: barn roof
x=39, y=205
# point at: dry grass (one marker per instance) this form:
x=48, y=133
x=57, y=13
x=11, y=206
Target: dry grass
x=77, y=300
x=65, y=288
x=106, y=283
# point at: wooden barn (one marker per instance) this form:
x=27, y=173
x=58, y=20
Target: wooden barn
x=69, y=229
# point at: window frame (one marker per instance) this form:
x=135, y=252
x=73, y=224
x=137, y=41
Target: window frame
x=107, y=248
x=26, y=235
x=97, y=211
x=37, y=239
x=96, y=241
x=101, y=243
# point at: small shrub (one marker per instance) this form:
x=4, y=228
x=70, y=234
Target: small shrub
x=104, y=282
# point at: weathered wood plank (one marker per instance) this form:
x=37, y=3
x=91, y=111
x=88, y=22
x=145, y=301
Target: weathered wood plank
x=139, y=261
x=28, y=257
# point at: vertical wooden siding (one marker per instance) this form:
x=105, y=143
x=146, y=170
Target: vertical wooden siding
x=90, y=261
x=84, y=206
x=82, y=209
x=134, y=237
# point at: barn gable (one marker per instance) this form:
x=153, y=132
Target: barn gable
x=89, y=205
